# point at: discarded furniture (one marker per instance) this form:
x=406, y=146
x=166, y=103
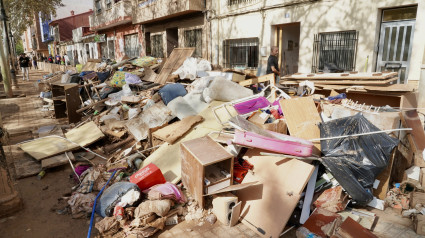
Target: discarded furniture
x=66, y=101
x=206, y=167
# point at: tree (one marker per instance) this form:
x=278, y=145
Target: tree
x=19, y=47
x=21, y=12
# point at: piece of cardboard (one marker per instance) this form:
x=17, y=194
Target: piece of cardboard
x=419, y=224
x=384, y=180
x=267, y=207
x=175, y=131
x=416, y=198
x=302, y=119
x=418, y=135
x=236, y=212
x=259, y=118
x=233, y=188
x=321, y=218
x=352, y=229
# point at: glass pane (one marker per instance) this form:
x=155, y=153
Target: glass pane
x=407, y=43
x=385, y=50
x=399, y=43
x=392, y=43
x=398, y=14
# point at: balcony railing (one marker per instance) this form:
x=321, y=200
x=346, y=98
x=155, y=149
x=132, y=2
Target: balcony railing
x=152, y=10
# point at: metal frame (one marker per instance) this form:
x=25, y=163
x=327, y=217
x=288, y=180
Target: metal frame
x=391, y=25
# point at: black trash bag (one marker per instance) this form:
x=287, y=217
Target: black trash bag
x=355, y=161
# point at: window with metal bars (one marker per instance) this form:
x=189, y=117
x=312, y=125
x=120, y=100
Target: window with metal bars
x=335, y=50
x=157, y=46
x=98, y=6
x=241, y=53
x=236, y=2
x=193, y=38
x=132, y=48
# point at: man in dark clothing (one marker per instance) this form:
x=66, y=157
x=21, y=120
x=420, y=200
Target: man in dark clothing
x=24, y=63
x=272, y=63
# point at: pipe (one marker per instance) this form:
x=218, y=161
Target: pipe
x=95, y=200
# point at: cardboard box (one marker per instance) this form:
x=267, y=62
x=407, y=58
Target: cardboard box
x=278, y=126
x=238, y=77
x=419, y=224
x=147, y=177
x=417, y=197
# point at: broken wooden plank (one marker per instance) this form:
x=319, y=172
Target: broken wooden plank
x=173, y=132
x=346, y=82
x=302, y=119
x=48, y=146
x=384, y=179
x=57, y=160
x=282, y=182
x=25, y=165
x=412, y=120
x=176, y=59
x=261, y=79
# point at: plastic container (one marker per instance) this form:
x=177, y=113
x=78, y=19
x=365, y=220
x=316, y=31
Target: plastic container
x=303, y=232
x=147, y=177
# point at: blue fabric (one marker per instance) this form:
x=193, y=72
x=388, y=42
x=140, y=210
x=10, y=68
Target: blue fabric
x=103, y=76
x=85, y=73
x=171, y=91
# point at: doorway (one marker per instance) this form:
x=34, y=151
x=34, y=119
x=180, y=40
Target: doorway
x=172, y=39
x=395, y=41
x=287, y=38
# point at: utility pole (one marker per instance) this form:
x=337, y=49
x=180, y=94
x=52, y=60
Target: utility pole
x=4, y=64
x=6, y=43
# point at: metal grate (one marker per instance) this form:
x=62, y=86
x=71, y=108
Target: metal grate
x=335, y=49
x=236, y=2
x=157, y=46
x=193, y=38
x=241, y=53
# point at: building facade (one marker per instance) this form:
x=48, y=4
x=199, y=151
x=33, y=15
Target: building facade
x=113, y=19
x=61, y=30
x=32, y=38
x=312, y=35
x=171, y=24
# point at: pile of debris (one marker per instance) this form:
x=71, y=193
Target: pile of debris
x=191, y=143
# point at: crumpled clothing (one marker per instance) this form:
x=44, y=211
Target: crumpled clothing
x=147, y=230
x=165, y=191
x=93, y=179
x=81, y=202
x=108, y=226
x=159, y=207
x=132, y=79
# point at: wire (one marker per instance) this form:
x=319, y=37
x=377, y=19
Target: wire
x=72, y=166
x=361, y=134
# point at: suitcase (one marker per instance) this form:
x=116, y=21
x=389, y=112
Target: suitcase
x=284, y=144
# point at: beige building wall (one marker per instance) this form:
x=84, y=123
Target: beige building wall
x=245, y=21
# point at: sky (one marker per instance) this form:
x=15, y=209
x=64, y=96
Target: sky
x=79, y=6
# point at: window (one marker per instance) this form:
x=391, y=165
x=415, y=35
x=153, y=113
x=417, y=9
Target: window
x=241, y=53
x=111, y=49
x=157, y=46
x=399, y=14
x=98, y=6
x=108, y=4
x=193, y=38
x=335, y=51
x=132, y=45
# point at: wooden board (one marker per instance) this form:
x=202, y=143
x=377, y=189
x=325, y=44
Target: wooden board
x=49, y=146
x=387, y=88
x=384, y=180
x=206, y=150
x=418, y=135
x=233, y=188
x=167, y=157
x=338, y=76
x=57, y=160
x=269, y=206
x=344, y=82
x=176, y=59
x=302, y=119
x=25, y=165
x=236, y=212
x=261, y=79
x=173, y=132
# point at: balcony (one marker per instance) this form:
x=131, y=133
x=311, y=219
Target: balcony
x=118, y=14
x=148, y=11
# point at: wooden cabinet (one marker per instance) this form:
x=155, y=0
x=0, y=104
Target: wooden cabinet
x=66, y=101
x=206, y=167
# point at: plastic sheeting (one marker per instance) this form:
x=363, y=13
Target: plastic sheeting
x=355, y=162
x=112, y=196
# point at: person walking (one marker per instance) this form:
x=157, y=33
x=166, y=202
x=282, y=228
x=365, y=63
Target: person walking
x=34, y=62
x=66, y=59
x=50, y=59
x=24, y=62
x=272, y=63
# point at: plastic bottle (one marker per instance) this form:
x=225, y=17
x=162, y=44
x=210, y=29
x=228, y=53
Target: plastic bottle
x=303, y=232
